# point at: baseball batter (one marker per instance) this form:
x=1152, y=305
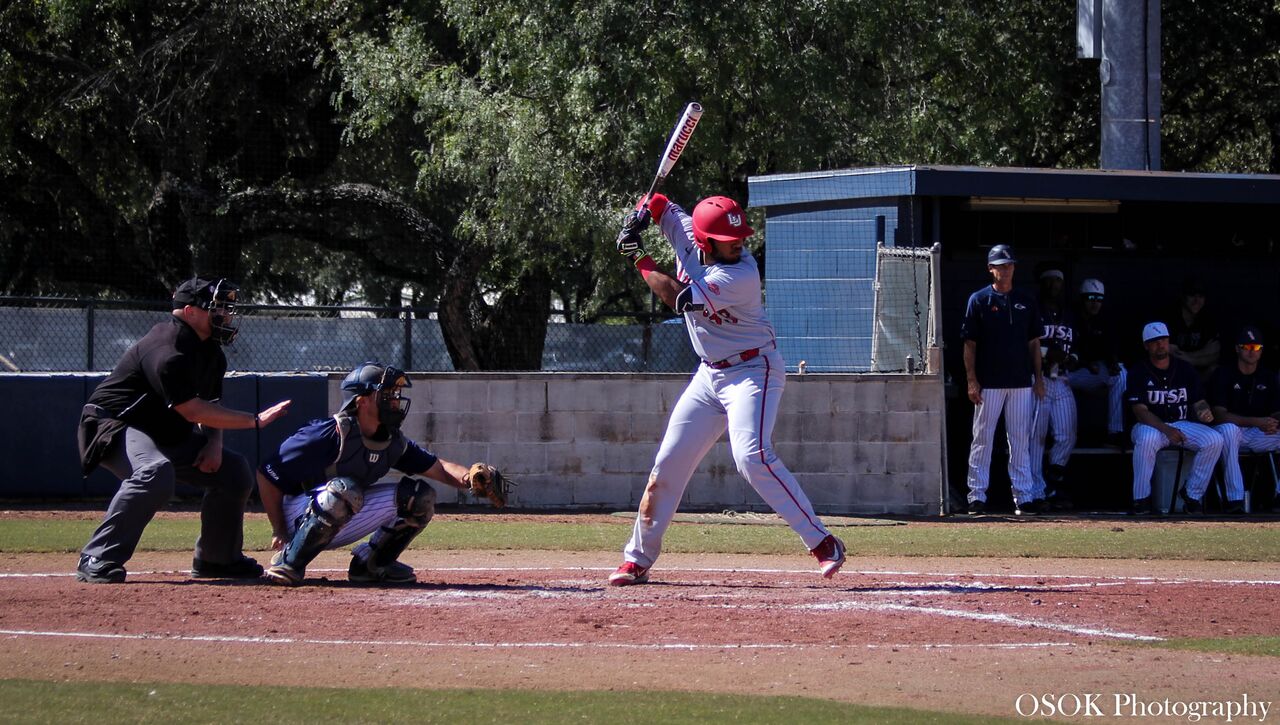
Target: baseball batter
x=1246, y=398
x=1001, y=333
x=739, y=383
x=321, y=490
x=1165, y=394
x=1056, y=411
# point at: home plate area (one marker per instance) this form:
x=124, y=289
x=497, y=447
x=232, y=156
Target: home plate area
x=683, y=607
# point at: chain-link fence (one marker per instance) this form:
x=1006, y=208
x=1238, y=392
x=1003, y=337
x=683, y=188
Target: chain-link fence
x=41, y=334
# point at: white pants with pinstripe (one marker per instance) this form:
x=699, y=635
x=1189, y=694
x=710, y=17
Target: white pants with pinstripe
x=1237, y=440
x=1018, y=406
x=379, y=509
x=1147, y=442
x=1055, y=413
x=1088, y=382
x=746, y=398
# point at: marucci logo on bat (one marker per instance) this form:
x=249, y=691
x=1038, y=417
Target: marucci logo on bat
x=681, y=140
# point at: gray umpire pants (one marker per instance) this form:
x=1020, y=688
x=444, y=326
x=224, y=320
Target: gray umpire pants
x=149, y=474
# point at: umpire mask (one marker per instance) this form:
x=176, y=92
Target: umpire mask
x=223, y=315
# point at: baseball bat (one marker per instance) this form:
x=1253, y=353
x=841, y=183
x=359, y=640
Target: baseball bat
x=675, y=146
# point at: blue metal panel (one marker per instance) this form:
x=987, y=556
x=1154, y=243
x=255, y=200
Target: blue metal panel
x=963, y=181
x=819, y=287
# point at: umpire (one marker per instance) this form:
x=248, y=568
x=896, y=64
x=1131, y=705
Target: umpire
x=155, y=420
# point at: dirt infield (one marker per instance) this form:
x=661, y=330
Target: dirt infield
x=957, y=635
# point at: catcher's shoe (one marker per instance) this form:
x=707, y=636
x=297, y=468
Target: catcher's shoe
x=628, y=574
x=243, y=568
x=830, y=555
x=362, y=572
x=93, y=570
x=281, y=573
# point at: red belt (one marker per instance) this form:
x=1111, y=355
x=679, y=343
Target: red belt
x=741, y=357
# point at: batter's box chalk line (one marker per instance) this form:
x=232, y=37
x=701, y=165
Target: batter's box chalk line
x=763, y=519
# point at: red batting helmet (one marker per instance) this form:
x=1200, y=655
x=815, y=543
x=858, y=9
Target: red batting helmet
x=719, y=218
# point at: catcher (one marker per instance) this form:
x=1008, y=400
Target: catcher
x=321, y=489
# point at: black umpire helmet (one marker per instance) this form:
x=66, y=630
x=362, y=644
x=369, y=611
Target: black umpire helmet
x=384, y=380
x=1001, y=254
x=219, y=298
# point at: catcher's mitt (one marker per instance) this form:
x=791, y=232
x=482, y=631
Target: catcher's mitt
x=485, y=481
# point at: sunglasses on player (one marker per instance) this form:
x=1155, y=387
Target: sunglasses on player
x=1252, y=347
x=1093, y=298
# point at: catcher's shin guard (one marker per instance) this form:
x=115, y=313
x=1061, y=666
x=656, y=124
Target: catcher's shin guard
x=332, y=507
x=415, y=505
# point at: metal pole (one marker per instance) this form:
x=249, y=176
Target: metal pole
x=408, y=337
x=88, y=324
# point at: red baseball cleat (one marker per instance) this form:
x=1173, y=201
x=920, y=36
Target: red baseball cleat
x=830, y=555
x=628, y=574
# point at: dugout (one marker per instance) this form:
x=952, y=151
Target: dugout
x=1140, y=232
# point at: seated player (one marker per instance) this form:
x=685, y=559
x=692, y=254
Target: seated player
x=1098, y=367
x=1246, y=399
x=1165, y=394
x=322, y=491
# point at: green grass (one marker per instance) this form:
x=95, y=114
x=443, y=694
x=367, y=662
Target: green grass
x=94, y=702
x=1107, y=540
x=1258, y=645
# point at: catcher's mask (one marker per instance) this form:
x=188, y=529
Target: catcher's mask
x=219, y=299
x=386, y=383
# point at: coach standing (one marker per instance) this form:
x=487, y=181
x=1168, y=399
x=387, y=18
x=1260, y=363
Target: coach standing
x=155, y=420
x=1001, y=333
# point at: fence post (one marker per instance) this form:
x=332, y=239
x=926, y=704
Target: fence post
x=408, y=338
x=88, y=325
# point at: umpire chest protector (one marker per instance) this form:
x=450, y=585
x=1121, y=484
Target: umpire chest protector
x=363, y=459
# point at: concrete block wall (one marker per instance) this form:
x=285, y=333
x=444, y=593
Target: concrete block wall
x=864, y=444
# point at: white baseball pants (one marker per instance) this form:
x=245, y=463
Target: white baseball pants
x=1147, y=442
x=746, y=398
x=1088, y=382
x=1248, y=440
x=1056, y=412
x=1018, y=406
x=379, y=509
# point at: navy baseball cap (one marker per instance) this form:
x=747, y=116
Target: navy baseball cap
x=1250, y=335
x=1001, y=254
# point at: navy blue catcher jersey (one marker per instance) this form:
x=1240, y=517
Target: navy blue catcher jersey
x=1167, y=393
x=324, y=449
x=1255, y=395
x=1002, y=325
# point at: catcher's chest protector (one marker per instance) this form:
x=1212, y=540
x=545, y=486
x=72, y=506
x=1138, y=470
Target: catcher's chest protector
x=361, y=459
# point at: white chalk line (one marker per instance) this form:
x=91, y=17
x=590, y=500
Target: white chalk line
x=845, y=574
x=689, y=646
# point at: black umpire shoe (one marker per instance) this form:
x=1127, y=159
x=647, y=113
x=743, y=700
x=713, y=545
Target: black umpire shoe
x=243, y=568
x=1190, y=505
x=93, y=570
x=977, y=507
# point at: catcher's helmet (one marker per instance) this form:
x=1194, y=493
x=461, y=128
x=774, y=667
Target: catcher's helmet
x=387, y=382
x=719, y=218
x=1001, y=254
x=218, y=298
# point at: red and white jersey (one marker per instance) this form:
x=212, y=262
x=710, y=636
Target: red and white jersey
x=732, y=318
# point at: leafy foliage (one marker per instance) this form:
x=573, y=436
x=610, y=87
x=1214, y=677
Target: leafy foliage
x=479, y=156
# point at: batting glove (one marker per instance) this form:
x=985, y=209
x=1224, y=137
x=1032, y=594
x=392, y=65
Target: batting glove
x=629, y=243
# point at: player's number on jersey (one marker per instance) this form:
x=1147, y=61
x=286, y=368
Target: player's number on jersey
x=719, y=317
